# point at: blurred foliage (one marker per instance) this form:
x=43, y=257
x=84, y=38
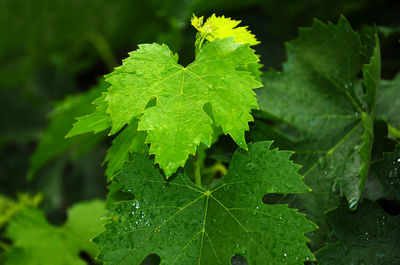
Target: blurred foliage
x=52, y=50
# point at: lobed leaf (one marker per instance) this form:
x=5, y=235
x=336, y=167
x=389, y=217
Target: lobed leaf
x=223, y=27
x=319, y=93
x=178, y=122
x=185, y=224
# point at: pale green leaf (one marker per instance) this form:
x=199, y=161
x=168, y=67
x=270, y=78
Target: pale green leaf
x=9, y=208
x=36, y=242
x=178, y=122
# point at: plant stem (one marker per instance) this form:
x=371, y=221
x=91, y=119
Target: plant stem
x=104, y=49
x=197, y=174
x=394, y=131
x=4, y=246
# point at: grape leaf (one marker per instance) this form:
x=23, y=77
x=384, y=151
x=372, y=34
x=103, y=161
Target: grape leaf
x=387, y=171
x=388, y=104
x=52, y=142
x=367, y=236
x=129, y=140
x=37, y=242
x=222, y=27
x=94, y=122
x=185, y=224
x=177, y=123
x=319, y=93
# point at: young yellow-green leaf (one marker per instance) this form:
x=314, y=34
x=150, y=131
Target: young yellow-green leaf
x=223, y=27
x=36, y=242
x=185, y=224
x=177, y=123
x=367, y=236
x=319, y=93
x=9, y=207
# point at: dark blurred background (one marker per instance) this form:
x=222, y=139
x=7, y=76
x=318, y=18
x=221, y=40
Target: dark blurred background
x=50, y=49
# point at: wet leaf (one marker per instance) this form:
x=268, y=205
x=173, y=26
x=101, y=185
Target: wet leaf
x=367, y=236
x=185, y=224
x=387, y=171
x=319, y=93
x=178, y=123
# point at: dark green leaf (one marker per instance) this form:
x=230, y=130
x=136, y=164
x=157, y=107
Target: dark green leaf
x=53, y=142
x=185, y=224
x=319, y=93
x=388, y=104
x=366, y=236
x=387, y=171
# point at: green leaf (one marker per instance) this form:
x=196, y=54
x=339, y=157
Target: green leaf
x=319, y=93
x=53, y=142
x=367, y=236
x=388, y=104
x=129, y=140
x=94, y=122
x=185, y=224
x=387, y=171
x=178, y=123
x=36, y=242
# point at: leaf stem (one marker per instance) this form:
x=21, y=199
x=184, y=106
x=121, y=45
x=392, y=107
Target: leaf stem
x=199, y=43
x=197, y=174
